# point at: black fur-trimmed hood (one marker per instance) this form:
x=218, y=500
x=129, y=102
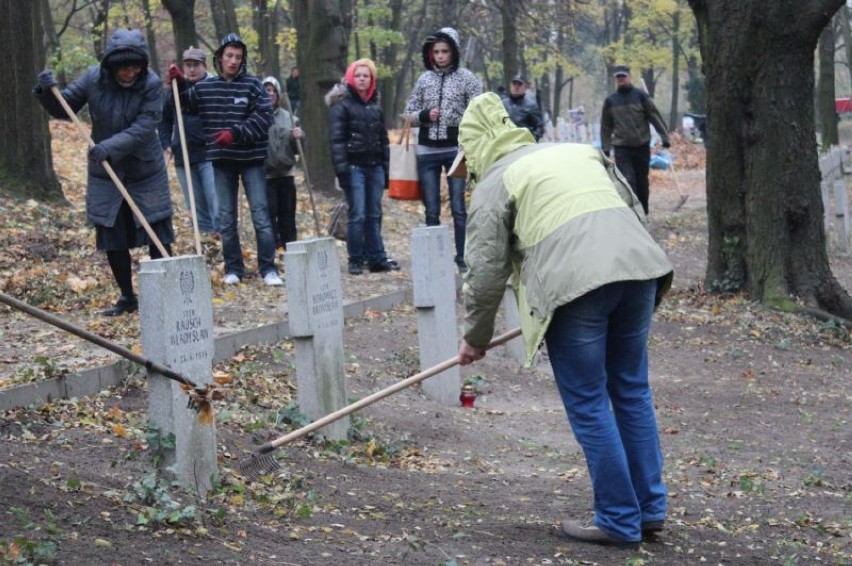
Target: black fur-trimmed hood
x=449, y=35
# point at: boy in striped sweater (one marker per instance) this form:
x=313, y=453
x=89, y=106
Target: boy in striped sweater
x=236, y=112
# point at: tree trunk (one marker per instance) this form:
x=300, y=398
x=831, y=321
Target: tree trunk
x=411, y=62
x=151, y=38
x=825, y=88
x=674, y=123
x=224, y=18
x=765, y=214
x=389, y=54
x=846, y=32
x=265, y=22
x=100, y=21
x=26, y=164
x=544, y=93
x=649, y=84
x=509, y=14
x=322, y=31
x=50, y=35
x=183, y=24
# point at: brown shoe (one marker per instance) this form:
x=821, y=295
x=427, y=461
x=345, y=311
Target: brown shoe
x=591, y=533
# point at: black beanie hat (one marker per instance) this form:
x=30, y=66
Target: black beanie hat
x=124, y=58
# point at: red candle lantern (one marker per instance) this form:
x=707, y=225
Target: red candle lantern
x=468, y=396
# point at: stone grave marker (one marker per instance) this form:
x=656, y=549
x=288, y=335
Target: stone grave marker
x=433, y=274
x=512, y=319
x=315, y=304
x=176, y=314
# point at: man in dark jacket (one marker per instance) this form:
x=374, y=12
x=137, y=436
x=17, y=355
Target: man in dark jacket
x=294, y=88
x=201, y=169
x=624, y=126
x=125, y=100
x=236, y=112
x=523, y=111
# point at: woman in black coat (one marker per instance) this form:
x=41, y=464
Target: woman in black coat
x=360, y=154
x=125, y=102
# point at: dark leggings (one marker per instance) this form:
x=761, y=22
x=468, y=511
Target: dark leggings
x=119, y=263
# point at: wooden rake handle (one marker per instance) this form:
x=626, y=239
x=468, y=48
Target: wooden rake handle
x=94, y=339
x=138, y=213
x=378, y=395
x=186, y=166
x=301, y=152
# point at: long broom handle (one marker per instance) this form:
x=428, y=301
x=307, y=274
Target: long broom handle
x=94, y=339
x=186, y=166
x=138, y=213
x=305, y=167
x=379, y=395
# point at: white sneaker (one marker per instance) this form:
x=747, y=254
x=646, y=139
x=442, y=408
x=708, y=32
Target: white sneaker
x=272, y=279
x=231, y=279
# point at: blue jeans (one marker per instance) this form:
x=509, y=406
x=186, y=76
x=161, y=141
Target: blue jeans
x=598, y=348
x=364, y=225
x=227, y=186
x=429, y=172
x=204, y=190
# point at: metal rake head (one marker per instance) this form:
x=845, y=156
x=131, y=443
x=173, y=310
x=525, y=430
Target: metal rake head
x=257, y=466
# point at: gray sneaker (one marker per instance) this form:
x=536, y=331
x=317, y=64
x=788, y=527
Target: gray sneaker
x=591, y=533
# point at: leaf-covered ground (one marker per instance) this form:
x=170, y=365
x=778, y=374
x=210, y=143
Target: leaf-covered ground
x=753, y=405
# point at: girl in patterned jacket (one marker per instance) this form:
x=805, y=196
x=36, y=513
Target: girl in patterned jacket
x=436, y=105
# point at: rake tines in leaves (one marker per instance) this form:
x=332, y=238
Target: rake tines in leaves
x=262, y=463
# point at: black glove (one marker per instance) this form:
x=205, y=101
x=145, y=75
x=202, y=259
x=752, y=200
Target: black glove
x=387, y=179
x=46, y=80
x=666, y=145
x=98, y=153
x=344, y=180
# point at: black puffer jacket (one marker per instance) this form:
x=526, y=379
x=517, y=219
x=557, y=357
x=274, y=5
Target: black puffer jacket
x=358, y=132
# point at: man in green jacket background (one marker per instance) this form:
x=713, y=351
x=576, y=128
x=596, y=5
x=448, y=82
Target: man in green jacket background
x=624, y=126
x=562, y=223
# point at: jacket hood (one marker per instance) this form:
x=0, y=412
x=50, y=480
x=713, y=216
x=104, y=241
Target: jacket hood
x=270, y=80
x=337, y=93
x=231, y=39
x=126, y=45
x=341, y=90
x=486, y=134
x=448, y=35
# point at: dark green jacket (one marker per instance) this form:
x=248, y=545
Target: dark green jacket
x=625, y=118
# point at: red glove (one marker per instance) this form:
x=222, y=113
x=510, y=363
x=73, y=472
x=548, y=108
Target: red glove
x=174, y=73
x=223, y=138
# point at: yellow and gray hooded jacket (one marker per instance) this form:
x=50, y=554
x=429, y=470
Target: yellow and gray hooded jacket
x=557, y=218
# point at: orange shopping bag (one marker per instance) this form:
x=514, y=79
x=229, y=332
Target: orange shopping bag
x=403, y=183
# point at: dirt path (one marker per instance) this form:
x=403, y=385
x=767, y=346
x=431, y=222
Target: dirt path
x=754, y=409
x=756, y=439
